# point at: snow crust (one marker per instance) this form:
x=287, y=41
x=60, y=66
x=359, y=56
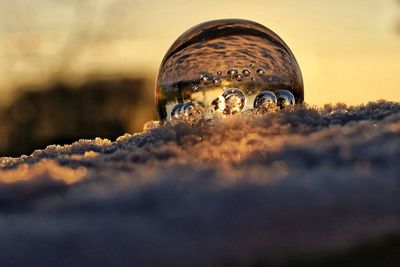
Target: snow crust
x=233, y=190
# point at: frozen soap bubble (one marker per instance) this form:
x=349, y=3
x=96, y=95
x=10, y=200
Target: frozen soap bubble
x=226, y=66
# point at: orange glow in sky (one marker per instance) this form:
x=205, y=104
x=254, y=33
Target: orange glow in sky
x=348, y=50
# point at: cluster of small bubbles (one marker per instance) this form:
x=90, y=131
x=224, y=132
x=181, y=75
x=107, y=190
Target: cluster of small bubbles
x=260, y=71
x=232, y=72
x=207, y=79
x=195, y=88
x=285, y=98
x=265, y=101
x=246, y=73
x=238, y=77
x=216, y=81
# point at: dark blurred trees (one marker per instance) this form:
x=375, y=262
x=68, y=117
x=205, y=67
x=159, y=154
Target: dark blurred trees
x=62, y=114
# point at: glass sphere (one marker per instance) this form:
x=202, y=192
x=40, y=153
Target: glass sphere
x=221, y=66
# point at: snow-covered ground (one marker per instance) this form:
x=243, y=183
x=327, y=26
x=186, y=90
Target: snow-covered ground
x=245, y=189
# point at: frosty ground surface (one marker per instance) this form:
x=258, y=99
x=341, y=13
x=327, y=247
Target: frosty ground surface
x=236, y=190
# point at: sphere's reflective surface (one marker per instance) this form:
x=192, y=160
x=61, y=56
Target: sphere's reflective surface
x=221, y=66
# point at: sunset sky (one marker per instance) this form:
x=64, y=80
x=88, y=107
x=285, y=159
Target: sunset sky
x=348, y=51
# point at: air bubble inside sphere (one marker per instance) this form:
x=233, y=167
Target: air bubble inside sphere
x=221, y=66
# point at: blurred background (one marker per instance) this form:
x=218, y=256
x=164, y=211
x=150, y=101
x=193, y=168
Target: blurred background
x=73, y=69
